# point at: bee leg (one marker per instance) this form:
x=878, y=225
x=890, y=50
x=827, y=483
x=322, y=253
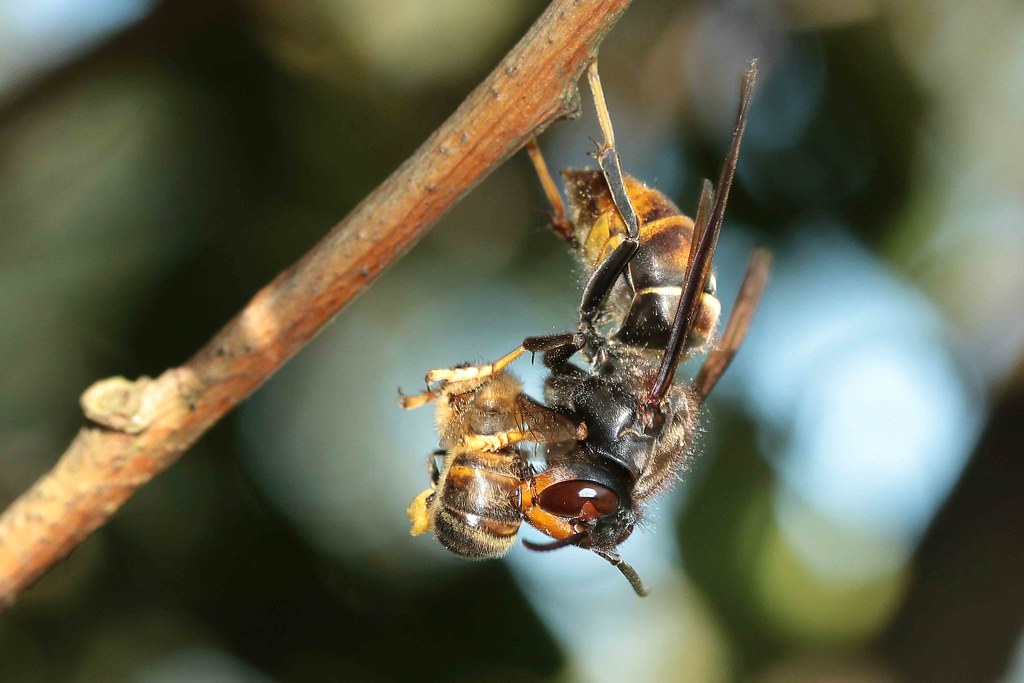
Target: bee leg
x=556, y=428
x=419, y=513
x=416, y=400
x=605, y=275
x=492, y=443
x=558, y=221
x=471, y=372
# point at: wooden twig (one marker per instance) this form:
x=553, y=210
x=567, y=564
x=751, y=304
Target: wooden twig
x=141, y=427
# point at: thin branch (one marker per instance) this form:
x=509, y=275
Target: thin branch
x=142, y=427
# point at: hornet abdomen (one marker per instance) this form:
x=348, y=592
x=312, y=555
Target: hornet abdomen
x=643, y=302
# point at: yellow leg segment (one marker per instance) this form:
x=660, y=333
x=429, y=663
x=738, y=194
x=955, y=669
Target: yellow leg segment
x=602, y=109
x=416, y=400
x=558, y=221
x=492, y=443
x=419, y=513
x=472, y=372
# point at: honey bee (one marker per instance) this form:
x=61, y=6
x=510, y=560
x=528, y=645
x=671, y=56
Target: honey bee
x=482, y=415
x=649, y=300
x=482, y=485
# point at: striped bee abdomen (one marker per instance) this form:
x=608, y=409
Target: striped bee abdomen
x=475, y=513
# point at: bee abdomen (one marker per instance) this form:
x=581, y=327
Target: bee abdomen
x=475, y=514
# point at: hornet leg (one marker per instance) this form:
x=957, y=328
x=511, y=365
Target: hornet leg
x=604, y=277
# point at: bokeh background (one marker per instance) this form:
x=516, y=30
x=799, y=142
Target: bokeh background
x=858, y=511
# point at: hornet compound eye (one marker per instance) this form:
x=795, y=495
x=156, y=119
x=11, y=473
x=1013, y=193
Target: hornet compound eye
x=569, y=498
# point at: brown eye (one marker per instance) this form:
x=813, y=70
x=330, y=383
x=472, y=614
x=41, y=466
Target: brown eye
x=567, y=498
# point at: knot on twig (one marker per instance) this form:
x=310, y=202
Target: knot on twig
x=119, y=403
